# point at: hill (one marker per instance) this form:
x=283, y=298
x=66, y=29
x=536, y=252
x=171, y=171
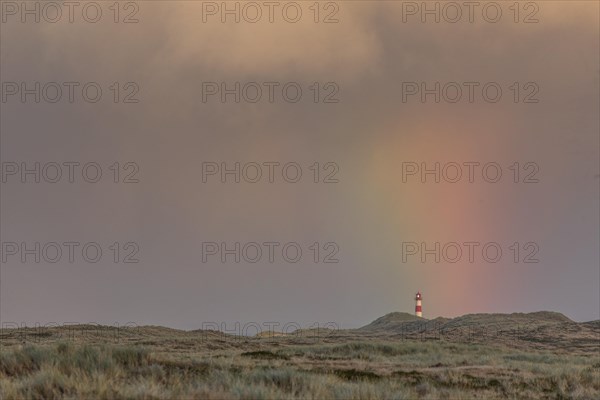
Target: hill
x=391, y=322
x=539, y=330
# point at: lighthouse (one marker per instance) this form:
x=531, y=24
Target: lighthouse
x=418, y=310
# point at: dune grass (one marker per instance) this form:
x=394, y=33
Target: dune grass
x=353, y=370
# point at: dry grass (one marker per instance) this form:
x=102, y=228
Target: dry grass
x=282, y=368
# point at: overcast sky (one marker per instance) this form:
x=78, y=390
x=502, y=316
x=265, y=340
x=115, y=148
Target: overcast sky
x=370, y=130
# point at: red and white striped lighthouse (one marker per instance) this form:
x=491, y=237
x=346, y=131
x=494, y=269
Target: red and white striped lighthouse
x=418, y=310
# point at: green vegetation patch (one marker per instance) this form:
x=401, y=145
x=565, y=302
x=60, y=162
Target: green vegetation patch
x=410, y=377
x=265, y=355
x=173, y=367
x=356, y=375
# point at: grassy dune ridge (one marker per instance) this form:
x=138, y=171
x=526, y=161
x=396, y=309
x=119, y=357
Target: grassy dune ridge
x=374, y=362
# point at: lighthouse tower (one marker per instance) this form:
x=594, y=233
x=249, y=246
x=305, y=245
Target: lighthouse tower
x=418, y=310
